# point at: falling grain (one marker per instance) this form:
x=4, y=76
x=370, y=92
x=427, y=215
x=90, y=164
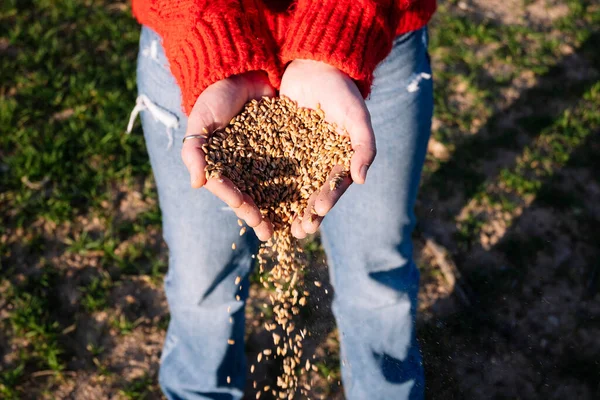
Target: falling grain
x=280, y=154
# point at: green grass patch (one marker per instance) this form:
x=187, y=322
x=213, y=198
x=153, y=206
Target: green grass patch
x=94, y=295
x=137, y=389
x=63, y=114
x=34, y=305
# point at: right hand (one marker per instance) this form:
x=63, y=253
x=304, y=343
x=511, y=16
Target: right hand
x=315, y=84
x=215, y=107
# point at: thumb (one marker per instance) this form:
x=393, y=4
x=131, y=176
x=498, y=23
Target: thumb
x=362, y=138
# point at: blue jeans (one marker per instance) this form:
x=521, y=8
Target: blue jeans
x=367, y=237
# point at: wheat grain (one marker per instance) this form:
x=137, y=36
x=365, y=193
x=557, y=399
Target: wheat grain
x=280, y=154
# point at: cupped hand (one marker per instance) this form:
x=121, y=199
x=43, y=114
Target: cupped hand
x=314, y=84
x=215, y=107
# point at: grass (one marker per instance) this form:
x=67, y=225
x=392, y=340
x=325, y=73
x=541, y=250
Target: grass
x=33, y=320
x=66, y=65
x=137, y=389
x=67, y=85
x=95, y=294
x=550, y=152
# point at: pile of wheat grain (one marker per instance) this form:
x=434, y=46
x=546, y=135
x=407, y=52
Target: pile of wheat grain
x=280, y=154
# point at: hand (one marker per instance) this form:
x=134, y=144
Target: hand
x=215, y=107
x=311, y=84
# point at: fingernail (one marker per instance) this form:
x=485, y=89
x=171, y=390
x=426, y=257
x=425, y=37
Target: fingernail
x=363, y=172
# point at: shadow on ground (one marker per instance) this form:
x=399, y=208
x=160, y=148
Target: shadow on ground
x=526, y=325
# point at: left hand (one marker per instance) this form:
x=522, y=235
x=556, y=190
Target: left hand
x=213, y=109
x=314, y=83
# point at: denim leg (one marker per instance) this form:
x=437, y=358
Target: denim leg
x=199, y=230
x=367, y=235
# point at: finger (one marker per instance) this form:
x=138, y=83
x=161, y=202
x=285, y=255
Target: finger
x=311, y=220
x=193, y=158
x=361, y=161
x=363, y=144
x=248, y=211
x=297, y=230
x=362, y=138
x=328, y=197
x=264, y=231
x=224, y=189
x=311, y=223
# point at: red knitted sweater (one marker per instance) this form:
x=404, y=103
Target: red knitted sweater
x=209, y=40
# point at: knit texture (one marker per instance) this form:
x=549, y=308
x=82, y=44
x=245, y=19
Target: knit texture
x=206, y=40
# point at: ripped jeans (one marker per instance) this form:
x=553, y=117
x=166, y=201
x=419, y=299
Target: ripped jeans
x=367, y=238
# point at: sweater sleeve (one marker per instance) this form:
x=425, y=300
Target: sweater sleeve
x=206, y=41
x=353, y=35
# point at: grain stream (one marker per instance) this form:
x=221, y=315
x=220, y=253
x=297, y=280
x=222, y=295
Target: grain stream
x=280, y=154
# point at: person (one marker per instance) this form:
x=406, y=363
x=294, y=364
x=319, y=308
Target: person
x=200, y=61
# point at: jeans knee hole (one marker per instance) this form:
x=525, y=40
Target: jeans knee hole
x=166, y=117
